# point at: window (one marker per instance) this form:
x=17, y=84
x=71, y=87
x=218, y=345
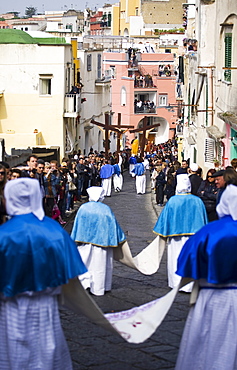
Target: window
x=99, y=70
x=228, y=54
x=123, y=96
x=209, y=150
x=45, y=84
x=109, y=20
x=89, y=60
x=113, y=71
x=162, y=100
x=136, y=11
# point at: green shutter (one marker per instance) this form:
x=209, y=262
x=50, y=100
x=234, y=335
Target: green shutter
x=228, y=52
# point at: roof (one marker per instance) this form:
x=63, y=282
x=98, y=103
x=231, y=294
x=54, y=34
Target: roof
x=50, y=40
x=12, y=36
x=215, y=133
x=229, y=118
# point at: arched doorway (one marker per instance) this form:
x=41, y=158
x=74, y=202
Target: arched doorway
x=157, y=135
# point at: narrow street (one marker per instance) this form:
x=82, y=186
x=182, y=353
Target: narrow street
x=91, y=347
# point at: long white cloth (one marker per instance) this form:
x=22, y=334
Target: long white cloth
x=118, y=182
x=134, y=326
x=139, y=323
x=99, y=262
x=174, y=247
x=31, y=336
x=209, y=339
x=106, y=185
x=131, y=167
x=141, y=184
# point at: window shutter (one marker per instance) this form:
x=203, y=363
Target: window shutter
x=209, y=150
x=228, y=54
x=99, y=70
x=89, y=67
x=220, y=151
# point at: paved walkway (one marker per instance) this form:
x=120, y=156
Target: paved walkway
x=92, y=347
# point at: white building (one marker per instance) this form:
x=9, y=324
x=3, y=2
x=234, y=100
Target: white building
x=210, y=120
x=35, y=77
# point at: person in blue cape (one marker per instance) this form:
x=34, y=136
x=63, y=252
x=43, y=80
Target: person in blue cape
x=183, y=215
x=210, y=257
x=117, y=178
x=106, y=173
x=139, y=171
x=97, y=233
x=37, y=257
x=132, y=162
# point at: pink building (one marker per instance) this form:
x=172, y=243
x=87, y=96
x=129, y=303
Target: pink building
x=143, y=85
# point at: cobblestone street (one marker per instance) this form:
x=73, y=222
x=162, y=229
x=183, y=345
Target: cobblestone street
x=91, y=347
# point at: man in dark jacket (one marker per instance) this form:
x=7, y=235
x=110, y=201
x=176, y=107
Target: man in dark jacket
x=194, y=178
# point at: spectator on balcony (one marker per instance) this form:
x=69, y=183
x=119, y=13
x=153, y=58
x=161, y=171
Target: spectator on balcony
x=147, y=80
x=136, y=81
x=161, y=67
x=75, y=90
x=134, y=60
x=150, y=81
x=141, y=79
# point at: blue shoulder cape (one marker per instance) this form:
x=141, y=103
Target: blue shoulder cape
x=106, y=171
x=211, y=253
x=35, y=255
x=132, y=160
x=95, y=223
x=139, y=169
x=183, y=215
x=117, y=170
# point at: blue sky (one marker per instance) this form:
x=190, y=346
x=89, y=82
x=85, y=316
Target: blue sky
x=43, y=5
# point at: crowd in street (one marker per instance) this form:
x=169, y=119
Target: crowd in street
x=62, y=184
x=198, y=218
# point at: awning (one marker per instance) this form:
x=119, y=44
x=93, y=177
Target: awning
x=215, y=133
x=229, y=117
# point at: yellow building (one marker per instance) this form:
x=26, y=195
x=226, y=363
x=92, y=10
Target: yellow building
x=140, y=18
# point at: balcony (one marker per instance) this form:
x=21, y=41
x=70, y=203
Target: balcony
x=144, y=109
x=72, y=105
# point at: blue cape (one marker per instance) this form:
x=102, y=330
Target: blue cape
x=183, y=214
x=117, y=170
x=35, y=255
x=211, y=253
x=95, y=223
x=132, y=160
x=106, y=171
x=139, y=169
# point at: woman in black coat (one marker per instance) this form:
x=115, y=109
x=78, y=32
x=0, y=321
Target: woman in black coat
x=160, y=183
x=208, y=193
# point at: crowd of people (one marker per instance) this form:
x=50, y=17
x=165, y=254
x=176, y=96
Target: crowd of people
x=197, y=221
x=63, y=184
x=144, y=106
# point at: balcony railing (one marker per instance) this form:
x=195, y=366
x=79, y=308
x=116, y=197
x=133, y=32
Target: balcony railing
x=72, y=105
x=144, y=109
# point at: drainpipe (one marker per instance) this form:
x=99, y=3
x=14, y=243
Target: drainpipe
x=212, y=99
x=206, y=101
